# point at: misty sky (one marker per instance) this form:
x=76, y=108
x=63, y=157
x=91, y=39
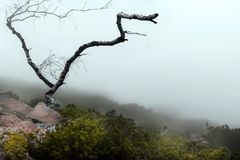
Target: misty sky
x=188, y=63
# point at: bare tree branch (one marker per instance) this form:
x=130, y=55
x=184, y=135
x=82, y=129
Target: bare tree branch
x=36, y=9
x=52, y=65
x=27, y=54
x=136, y=33
x=83, y=47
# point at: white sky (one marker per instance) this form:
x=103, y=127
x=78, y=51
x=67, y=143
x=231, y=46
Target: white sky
x=189, y=62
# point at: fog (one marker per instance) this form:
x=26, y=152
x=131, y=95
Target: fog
x=188, y=64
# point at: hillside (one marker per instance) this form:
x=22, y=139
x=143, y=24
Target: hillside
x=90, y=131
x=148, y=118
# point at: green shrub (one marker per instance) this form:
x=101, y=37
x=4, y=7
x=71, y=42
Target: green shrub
x=72, y=141
x=87, y=134
x=90, y=135
x=171, y=147
x=15, y=147
x=71, y=112
x=213, y=154
x=123, y=140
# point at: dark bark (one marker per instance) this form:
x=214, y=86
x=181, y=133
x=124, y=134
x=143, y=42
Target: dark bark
x=83, y=47
x=25, y=12
x=27, y=54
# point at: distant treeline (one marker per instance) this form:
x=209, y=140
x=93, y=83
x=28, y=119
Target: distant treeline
x=224, y=136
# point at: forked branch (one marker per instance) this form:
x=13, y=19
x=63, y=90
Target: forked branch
x=35, y=9
x=113, y=42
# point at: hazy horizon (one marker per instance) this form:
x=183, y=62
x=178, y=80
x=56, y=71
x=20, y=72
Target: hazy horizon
x=188, y=63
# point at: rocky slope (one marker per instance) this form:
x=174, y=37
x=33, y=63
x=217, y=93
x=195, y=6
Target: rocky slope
x=16, y=116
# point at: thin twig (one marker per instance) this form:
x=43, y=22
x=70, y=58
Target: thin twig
x=135, y=33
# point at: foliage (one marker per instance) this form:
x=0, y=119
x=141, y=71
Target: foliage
x=71, y=112
x=124, y=140
x=15, y=147
x=235, y=156
x=214, y=154
x=224, y=136
x=74, y=140
x=171, y=147
x=88, y=134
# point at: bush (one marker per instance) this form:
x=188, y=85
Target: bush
x=90, y=135
x=87, y=134
x=123, y=140
x=171, y=147
x=15, y=147
x=213, y=154
x=73, y=141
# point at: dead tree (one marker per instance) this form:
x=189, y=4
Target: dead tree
x=37, y=9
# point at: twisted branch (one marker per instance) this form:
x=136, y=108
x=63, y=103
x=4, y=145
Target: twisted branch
x=83, y=47
x=35, y=9
x=28, y=57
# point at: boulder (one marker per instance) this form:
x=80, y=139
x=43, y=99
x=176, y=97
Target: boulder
x=10, y=122
x=14, y=115
x=15, y=106
x=45, y=114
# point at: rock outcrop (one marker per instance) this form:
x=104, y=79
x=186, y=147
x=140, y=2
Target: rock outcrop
x=44, y=114
x=16, y=106
x=16, y=116
x=9, y=121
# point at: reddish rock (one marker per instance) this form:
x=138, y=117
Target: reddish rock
x=14, y=115
x=27, y=126
x=45, y=114
x=15, y=105
x=8, y=120
x=17, y=116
